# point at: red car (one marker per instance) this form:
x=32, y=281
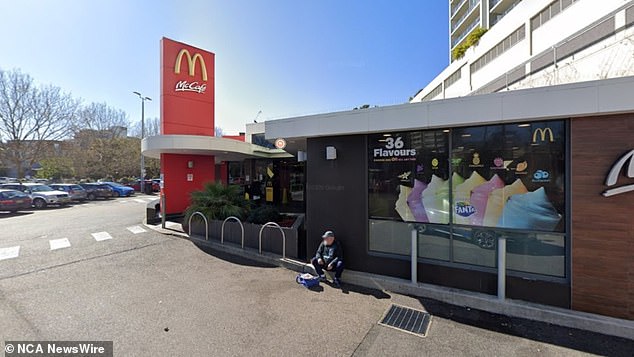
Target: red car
x=13, y=201
x=137, y=185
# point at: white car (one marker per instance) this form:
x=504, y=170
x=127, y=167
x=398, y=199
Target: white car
x=4, y=179
x=41, y=195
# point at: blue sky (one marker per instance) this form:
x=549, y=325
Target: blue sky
x=283, y=57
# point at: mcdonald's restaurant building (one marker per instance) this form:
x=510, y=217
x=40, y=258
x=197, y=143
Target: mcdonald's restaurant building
x=550, y=170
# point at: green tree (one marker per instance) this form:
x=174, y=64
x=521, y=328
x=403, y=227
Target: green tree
x=56, y=168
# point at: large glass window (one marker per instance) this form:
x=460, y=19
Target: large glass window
x=408, y=175
x=510, y=176
x=463, y=189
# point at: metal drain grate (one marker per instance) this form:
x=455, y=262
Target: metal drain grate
x=408, y=320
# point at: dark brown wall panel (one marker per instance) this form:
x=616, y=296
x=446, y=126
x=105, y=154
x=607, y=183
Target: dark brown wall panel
x=602, y=227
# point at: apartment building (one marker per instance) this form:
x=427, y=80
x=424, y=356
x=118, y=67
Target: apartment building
x=535, y=43
x=467, y=15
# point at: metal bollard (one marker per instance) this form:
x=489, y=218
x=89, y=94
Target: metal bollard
x=501, y=267
x=414, y=257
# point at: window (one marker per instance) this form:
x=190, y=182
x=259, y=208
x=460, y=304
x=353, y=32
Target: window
x=504, y=45
x=535, y=22
x=455, y=77
x=555, y=8
x=460, y=191
x=549, y=12
x=433, y=94
x=401, y=166
x=408, y=182
x=512, y=176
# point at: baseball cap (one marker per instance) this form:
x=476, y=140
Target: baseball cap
x=328, y=234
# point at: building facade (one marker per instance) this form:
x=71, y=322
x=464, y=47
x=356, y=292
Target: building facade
x=467, y=15
x=549, y=169
x=543, y=177
x=539, y=43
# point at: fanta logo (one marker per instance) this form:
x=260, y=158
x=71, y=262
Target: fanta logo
x=464, y=209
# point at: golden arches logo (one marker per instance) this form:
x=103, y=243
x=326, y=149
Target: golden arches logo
x=542, y=134
x=191, y=63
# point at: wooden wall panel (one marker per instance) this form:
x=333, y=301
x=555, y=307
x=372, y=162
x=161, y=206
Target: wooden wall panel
x=602, y=227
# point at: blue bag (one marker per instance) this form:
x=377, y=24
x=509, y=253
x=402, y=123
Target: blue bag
x=307, y=279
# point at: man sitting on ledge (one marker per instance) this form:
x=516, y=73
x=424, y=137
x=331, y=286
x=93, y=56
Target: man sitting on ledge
x=330, y=257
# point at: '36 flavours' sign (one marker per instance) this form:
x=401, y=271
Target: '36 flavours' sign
x=393, y=149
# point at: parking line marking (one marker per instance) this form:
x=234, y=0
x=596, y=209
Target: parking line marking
x=99, y=236
x=139, y=200
x=136, y=229
x=10, y=252
x=59, y=243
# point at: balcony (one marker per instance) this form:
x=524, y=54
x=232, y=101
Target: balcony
x=499, y=8
x=455, y=25
x=457, y=39
x=454, y=9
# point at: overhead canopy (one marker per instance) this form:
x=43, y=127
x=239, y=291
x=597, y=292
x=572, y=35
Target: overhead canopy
x=223, y=149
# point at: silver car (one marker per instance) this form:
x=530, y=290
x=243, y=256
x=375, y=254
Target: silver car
x=76, y=192
x=41, y=195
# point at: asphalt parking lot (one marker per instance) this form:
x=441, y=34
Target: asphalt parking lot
x=158, y=295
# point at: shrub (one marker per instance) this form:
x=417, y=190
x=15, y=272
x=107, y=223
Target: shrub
x=218, y=202
x=472, y=40
x=264, y=214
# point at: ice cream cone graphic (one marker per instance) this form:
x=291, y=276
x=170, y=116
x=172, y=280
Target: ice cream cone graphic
x=436, y=198
x=463, y=208
x=497, y=200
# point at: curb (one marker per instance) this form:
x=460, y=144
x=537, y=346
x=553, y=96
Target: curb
x=515, y=308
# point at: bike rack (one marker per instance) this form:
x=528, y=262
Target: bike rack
x=273, y=224
x=222, y=229
x=189, y=224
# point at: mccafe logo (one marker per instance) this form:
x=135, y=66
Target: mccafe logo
x=191, y=61
x=184, y=86
x=613, y=175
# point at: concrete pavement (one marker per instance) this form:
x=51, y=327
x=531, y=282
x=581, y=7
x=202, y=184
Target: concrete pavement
x=159, y=295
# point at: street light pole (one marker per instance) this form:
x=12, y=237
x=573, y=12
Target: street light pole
x=143, y=99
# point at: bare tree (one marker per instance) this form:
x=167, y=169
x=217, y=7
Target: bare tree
x=32, y=118
x=152, y=128
x=101, y=120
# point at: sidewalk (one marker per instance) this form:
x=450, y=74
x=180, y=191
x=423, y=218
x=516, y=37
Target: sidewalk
x=478, y=316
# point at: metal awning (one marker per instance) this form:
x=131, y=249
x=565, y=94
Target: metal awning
x=223, y=149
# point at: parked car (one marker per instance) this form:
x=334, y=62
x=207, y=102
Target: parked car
x=119, y=189
x=41, y=195
x=76, y=192
x=97, y=190
x=4, y=179
x=148, y=183
x=13, y=201
x=156, y=185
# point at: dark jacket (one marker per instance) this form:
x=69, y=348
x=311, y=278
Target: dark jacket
x=331, y=254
